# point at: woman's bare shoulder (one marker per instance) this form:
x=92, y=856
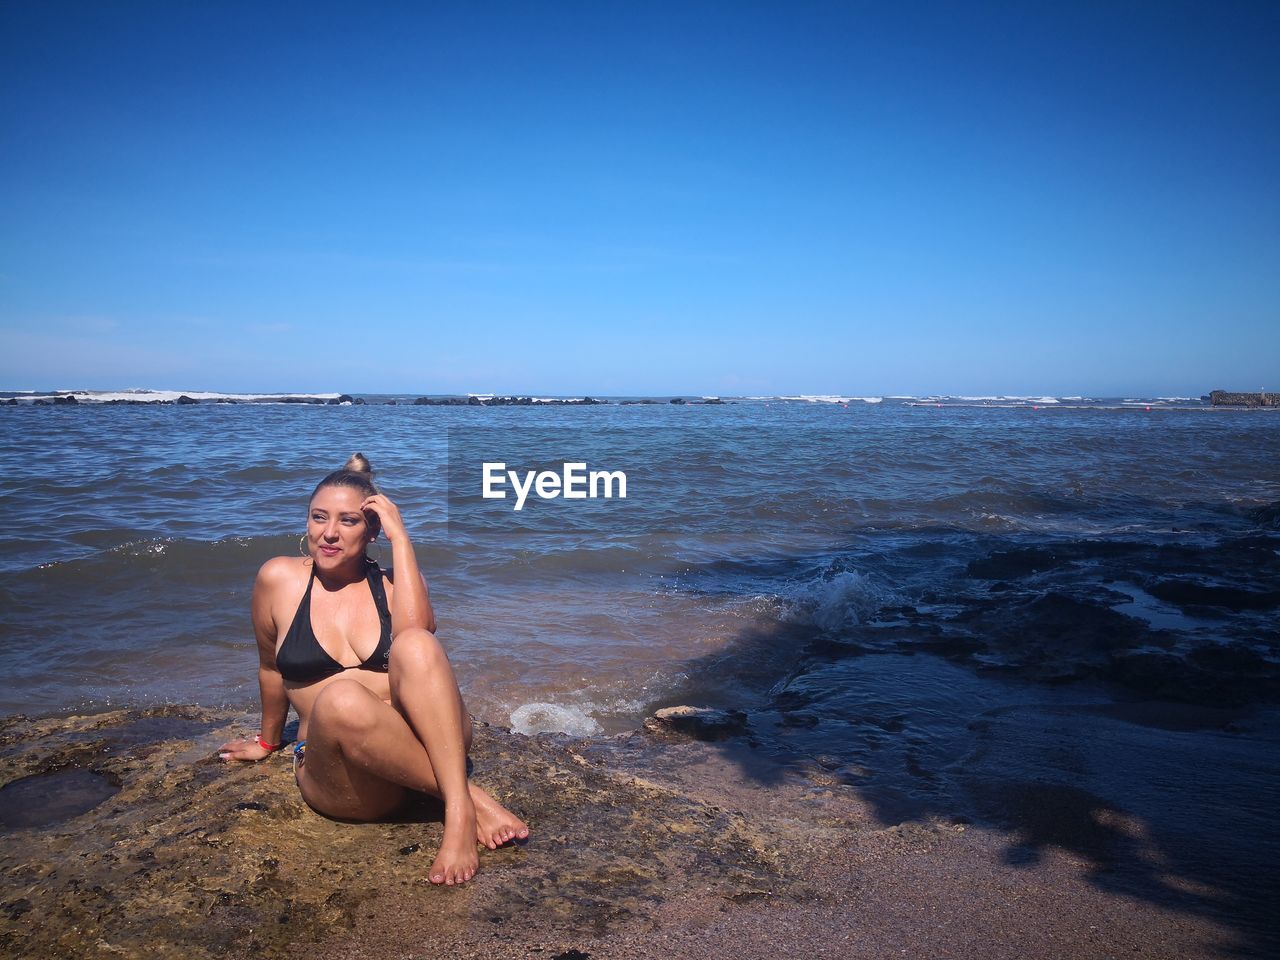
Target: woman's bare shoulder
x=283, y=571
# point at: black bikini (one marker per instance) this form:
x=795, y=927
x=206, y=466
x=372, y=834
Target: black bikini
x=301, y=659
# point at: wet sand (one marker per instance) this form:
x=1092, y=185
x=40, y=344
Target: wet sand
x=650, y=844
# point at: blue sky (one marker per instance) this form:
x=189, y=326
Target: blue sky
x=608, y=198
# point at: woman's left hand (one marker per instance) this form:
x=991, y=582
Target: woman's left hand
x=389, y=515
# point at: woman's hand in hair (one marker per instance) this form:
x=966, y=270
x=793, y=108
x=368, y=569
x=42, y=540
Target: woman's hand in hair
x=388, y=515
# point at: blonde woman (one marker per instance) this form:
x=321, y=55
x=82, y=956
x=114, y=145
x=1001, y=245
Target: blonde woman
x=351, y=648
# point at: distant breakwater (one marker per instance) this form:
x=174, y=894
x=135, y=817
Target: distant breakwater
x=1227, y=398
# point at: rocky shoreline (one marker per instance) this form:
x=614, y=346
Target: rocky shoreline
x=656, y=843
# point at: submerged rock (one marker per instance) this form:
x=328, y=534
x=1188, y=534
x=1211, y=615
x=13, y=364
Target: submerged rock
x=701, y=723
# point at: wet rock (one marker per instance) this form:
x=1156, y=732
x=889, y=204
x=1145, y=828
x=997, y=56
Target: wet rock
x=1014, y=564
x=701, y=723
x=1188, y=593
x=184, y=400
x=1268, y=516
x=182, y=862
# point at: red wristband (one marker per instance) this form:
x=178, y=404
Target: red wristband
x=269, y=747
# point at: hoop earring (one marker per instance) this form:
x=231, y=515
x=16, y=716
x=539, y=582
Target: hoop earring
x=378, y=558
x=302, y=545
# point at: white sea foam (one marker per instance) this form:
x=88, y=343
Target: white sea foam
x=844, y=600
x=158, y=396
x=824, y=398
x=573, y=719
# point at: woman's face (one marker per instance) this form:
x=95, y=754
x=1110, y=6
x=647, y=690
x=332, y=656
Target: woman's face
x=337, y=530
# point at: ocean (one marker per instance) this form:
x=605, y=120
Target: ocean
x=962, y=607
x=999, y=533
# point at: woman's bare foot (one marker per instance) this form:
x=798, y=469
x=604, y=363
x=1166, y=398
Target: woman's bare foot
x=457, y=861
x=495, y=824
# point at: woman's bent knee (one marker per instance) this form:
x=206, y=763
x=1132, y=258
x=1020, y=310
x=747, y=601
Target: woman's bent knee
x=416, y=649
x=344, y=705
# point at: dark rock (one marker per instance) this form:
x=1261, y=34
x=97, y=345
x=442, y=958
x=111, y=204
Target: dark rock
x=1192, y=594
x=1268, y=516
x=1012, y=564
x=184, y=400
x=62, y=400
x=1227, y=398
x=16, y=908
x=12, y=402
x=701, y=723
x=359, y=402
x=677, y=400
x=341, y=399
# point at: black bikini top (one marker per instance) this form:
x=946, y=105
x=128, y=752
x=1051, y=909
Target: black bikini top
x=301, y=659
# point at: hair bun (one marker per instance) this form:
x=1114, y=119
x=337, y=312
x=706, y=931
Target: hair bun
x=358, y=463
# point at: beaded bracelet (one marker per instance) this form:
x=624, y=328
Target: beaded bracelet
x=269, y=747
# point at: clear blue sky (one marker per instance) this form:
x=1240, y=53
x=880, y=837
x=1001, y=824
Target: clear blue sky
x=593, y=197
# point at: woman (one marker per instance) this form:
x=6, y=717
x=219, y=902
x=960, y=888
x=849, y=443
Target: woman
x=350, y=647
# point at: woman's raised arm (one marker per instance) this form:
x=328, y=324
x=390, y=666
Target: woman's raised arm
x=411, y=603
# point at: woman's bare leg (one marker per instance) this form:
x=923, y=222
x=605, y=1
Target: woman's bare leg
x=424, y=690
x=362, y=755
